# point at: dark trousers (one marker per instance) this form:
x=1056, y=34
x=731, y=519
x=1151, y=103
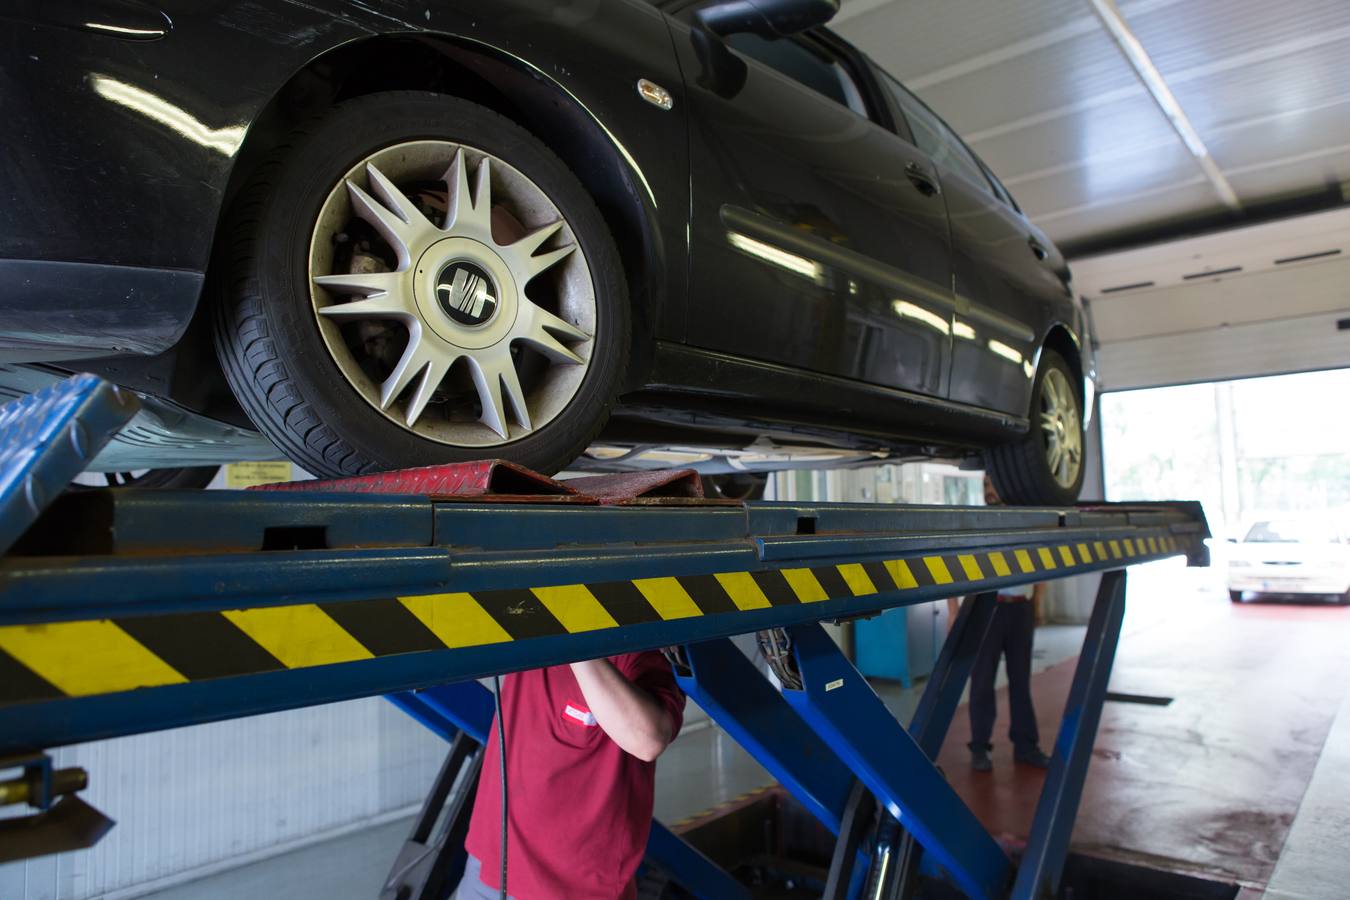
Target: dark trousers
x=1010, y=635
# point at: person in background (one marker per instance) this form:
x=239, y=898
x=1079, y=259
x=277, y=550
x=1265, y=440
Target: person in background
x=1010, y=636
x=581, y=748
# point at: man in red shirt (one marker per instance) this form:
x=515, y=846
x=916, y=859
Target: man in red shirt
x=581, y=748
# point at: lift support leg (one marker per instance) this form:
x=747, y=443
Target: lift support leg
x=841, y=706
x=937, y=706
x=1048, y=845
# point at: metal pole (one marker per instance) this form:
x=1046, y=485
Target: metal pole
x=1048, y=846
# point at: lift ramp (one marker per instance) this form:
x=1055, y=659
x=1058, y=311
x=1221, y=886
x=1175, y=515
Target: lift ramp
x=126, y=611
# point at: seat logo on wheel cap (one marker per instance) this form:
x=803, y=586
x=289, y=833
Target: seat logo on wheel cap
x=466, y=293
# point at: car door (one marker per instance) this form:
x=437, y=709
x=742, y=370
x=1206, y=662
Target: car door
x=1010, y=281
x=812, y=245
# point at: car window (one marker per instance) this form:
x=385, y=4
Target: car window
x=804, y=66
x=933, y=137
x=999, y=189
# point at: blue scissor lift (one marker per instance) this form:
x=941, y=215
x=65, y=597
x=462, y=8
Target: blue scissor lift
x=127, y=611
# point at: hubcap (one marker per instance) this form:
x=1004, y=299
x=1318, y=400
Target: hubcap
x=1061, y=426
x=466, y=293
x=465, y=315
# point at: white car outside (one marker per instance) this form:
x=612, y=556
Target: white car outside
x=1290, y=556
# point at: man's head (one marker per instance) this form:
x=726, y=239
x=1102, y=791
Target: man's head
x=991, y=497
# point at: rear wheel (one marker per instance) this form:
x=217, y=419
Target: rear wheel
x=417, y=280
x=1235, y=596
x=1046, y=465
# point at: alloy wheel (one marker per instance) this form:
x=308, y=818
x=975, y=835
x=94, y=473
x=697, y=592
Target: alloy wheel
x=1061, y=427
x=463, y=314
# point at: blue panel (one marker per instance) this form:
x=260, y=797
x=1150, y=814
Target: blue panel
x=47, y=438
x=466, y=704
x=742, y=701
x=427, y=717
x=881, y=646
x=844, y=710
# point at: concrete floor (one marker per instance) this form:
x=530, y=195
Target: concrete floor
x=1244, y=777
x=1241, y=779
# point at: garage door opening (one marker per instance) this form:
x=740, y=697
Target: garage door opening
x=1248, y=448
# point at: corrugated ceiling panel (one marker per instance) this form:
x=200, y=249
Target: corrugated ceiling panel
x=914, y=39
x=1106, y=180
x=1202, y=32
x=1292, y=178
x=1110, y=131
x=1065, y=75
x=1300, y=78
x=1165, y=205
x=1277, y=137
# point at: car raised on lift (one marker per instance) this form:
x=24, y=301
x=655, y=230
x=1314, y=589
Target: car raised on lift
x=375, y=236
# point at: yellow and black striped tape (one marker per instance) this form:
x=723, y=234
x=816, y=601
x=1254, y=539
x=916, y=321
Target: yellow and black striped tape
x=103, y=656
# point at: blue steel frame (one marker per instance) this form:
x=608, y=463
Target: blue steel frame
x=842, y=707
x=817, y=740
x=1048, y=845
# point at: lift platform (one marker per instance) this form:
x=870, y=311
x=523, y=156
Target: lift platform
x=126, y=611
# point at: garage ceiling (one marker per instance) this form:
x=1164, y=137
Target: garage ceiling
x=1045, y=92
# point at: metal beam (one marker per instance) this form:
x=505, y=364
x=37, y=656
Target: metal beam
x=1153, y=80
x=1048, y=845
x=937, y=705
x=840, y=705
x=740, y=699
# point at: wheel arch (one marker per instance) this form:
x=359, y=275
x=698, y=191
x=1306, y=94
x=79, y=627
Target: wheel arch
x=1064, y=342
x=475, y=71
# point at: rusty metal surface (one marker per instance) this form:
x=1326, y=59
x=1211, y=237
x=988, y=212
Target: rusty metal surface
x=485, y=479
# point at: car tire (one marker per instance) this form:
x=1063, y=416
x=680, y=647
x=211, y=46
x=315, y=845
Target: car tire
x=736, y=485
x=1021, y=471
x=1235, y=596
x=288, y=371
x=181, y=479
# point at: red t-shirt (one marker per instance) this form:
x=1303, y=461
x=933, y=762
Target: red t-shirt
x=580, y=806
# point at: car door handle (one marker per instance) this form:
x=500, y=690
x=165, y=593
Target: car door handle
x=1037, y=248
x=924, y=181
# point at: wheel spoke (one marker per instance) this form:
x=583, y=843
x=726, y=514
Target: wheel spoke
x=523, y=251
x=397, y=232
x=433, y=373
x=380, y=306
x=538, y=264
x=368, y=284
x=492, y=373
x=1054, y=454
x=413, y=361
x=467, y=212
x=1048, y=421
x=542, y=331
x=396, y=200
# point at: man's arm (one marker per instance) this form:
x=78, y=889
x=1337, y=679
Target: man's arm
x=631, y=717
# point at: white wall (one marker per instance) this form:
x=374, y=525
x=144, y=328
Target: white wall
x=191, y=801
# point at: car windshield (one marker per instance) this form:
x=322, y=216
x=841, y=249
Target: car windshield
x=1286, y=532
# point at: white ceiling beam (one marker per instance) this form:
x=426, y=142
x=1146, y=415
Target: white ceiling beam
x=1148, y=73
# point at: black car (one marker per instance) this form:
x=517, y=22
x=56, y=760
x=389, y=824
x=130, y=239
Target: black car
x=386, y=234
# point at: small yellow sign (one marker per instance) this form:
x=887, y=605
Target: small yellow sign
x=240, y=475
